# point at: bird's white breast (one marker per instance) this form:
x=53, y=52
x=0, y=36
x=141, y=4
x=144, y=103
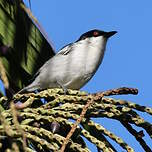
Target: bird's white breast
x=76, y=67
x=95, y=53
x=82, y=62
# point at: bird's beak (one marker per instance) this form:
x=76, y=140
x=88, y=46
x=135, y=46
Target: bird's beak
x=109, y=34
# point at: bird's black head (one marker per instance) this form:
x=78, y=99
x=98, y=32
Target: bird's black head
x=96, y=33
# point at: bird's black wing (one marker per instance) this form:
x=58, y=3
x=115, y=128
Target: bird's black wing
x=66, y=49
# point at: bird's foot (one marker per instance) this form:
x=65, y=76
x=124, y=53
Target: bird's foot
x=63, y=87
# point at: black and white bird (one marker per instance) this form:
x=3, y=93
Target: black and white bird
x=74, y=65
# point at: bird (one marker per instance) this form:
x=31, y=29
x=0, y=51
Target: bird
x=74, y=65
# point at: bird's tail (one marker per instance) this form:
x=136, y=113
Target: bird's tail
x=29, y=88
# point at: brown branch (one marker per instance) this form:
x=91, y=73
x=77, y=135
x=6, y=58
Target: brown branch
x=3, y=75
x=17, y=125
x=84, y=110
x=95, y=97
x=119, y=91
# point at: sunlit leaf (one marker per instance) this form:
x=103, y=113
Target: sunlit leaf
x=23, y=48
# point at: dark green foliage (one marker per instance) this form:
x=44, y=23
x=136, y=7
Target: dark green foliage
x=23, y=49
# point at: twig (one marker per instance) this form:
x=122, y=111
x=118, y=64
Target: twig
x=84, y=110
x=17, y=125
x=3, y=75
x=96, y=96
x=137, y=136
x=119, y=91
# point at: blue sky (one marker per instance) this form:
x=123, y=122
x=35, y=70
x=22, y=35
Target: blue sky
x=128, y=55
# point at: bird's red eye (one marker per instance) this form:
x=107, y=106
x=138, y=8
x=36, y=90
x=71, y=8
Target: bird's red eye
x=95, y=33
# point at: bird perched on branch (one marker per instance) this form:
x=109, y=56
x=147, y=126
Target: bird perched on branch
x=74, y=65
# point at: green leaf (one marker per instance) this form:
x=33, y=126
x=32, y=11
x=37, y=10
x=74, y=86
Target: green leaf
x=23, y=48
